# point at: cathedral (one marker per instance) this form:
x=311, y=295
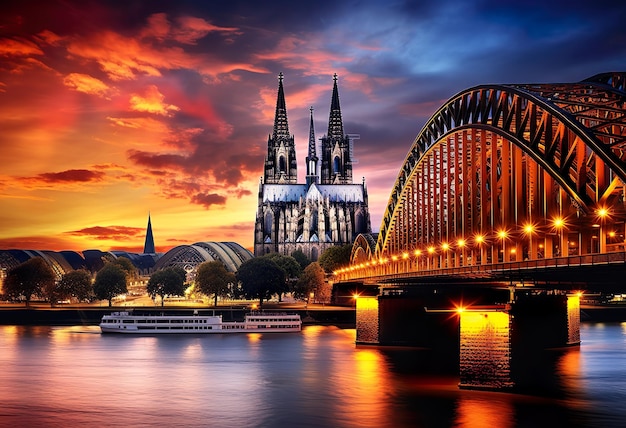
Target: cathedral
x=326, y=210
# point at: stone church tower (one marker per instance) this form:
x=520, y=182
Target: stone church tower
x=328, y=209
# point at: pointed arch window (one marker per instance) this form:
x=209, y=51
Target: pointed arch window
x=360, y=222
x=282, y=164
x=268, y=222
x=336, y=165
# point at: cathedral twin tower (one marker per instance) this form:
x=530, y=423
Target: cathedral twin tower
x=328, y=209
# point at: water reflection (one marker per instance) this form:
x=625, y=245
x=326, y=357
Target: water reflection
x=67, y=376
x=479, y=411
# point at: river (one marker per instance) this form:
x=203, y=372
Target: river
x=69, y=376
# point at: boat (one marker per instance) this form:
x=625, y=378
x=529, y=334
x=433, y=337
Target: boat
x=254, y=322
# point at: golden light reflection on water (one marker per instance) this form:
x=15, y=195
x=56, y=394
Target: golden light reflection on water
x=485, y=349
x=480, y=410
x=372, y=386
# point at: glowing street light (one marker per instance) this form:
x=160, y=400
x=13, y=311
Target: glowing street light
x=602, y=214
x=503, y=234
x=479, y=240
x=529, y=229
x=461, y=246
x=559, y=224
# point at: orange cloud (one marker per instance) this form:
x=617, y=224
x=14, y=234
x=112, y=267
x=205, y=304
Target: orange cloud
x=188, y=31
x=152, y=102
x=109, y=233
x=69, y=178
x=208, y=199
x=126, y=57
x=87, y=84
x=72, y=175
x=18, y=47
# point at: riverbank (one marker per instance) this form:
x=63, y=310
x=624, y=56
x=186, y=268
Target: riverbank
x=333, y=315
x=603, y=313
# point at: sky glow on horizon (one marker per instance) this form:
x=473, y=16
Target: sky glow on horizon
x=110, y=111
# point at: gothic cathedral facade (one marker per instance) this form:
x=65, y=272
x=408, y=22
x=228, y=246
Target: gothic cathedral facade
x=328, y=209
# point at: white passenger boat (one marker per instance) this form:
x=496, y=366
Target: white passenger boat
x=255, y=322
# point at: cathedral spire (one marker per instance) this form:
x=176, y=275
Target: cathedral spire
x=335, y=123
x=311, y=159
x=336, y=147
x=281, y=126
x=280, y=163
x=148, y=246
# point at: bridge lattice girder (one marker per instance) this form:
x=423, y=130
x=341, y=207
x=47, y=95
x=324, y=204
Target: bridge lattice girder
x=558, y=147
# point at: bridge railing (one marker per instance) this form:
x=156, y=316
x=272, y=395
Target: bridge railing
x=401, y=269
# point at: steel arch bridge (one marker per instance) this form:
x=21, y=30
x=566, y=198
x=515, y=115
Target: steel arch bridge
x=505, y=173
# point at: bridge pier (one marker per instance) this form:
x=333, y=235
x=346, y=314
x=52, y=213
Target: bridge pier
x=498, y=346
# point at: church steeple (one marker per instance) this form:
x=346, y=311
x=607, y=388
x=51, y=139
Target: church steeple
x=281, y=126
x=311, y=159
x=148, y=246
x=336, y=146
x=335, y=123
x=280, y=163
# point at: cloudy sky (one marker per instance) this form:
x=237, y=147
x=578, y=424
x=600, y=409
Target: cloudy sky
x=110, y=110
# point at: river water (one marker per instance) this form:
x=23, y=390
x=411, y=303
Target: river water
x=71, y=376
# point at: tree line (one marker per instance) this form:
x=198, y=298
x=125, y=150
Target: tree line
x=260, y=278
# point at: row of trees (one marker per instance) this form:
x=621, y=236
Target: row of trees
x=258, y=278
x=35, y=278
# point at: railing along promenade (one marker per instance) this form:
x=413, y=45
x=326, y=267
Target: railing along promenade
x=399, y=271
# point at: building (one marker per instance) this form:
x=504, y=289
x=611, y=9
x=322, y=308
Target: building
x=328, y=209
x=188, y=257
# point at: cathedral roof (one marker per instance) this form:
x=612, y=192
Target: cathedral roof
x=293, y=192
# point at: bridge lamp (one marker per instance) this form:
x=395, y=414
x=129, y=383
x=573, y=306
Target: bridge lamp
x=559, y=224
x=479, y=239
x=445, y=246
x=460, y=243
x=405, y=256
x=529, y=229
x=431, y=249
x=394, y=258
x=602, y=214
x=503, y=234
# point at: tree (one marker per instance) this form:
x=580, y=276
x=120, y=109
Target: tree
x=166, y=282
x=323, y=292
x=260, y=278
x=301, y=258
x=111, y=281
x=127, y=266
x=76, y=284
x=335, y=257
x=290, y=267
x=212, y=278
x=310, y=281
x=33, y=277
x=180, y=272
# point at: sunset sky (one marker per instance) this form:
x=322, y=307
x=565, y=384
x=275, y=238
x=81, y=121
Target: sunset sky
x=110, y=110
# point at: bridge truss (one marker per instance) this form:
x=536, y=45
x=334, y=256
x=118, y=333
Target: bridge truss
x=506, y=173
